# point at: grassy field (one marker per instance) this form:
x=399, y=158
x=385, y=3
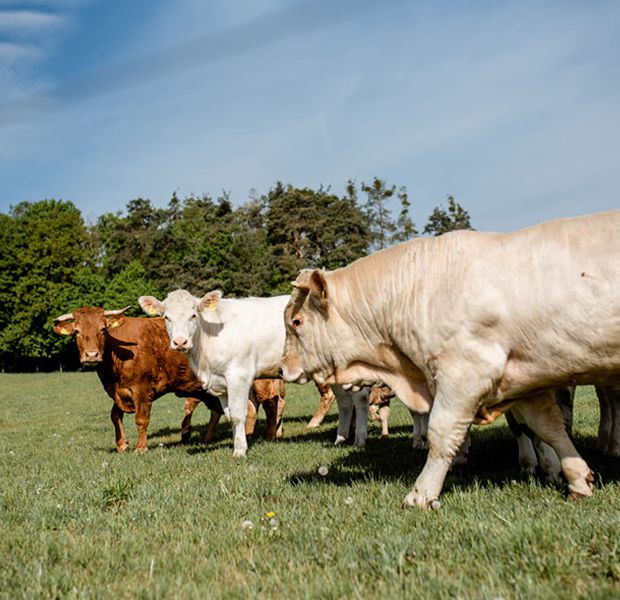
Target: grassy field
x=79, y=521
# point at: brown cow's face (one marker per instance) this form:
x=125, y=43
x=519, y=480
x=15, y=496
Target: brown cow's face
x=89, y=325
x=307, y=348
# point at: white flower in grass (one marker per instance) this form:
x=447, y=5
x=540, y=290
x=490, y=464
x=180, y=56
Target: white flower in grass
x=161, y=444
x=247, y=524
x=348, y=500
x=323, y=470
x=104, y=465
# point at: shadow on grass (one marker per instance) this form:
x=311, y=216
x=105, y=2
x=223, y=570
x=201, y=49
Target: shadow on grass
x=493, y=460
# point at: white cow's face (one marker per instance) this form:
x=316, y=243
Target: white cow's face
x=307, y=346
x=180, y=312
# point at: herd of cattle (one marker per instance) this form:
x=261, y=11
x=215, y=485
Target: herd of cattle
x=461, y=328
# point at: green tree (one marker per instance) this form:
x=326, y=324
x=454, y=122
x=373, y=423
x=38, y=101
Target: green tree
x=441, y=220
x=44, y=264
x=311, y=228
x=378, y=214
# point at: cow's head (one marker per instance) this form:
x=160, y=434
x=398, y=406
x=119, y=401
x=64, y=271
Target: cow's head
x=307, y=348
x=89, y=324
x=182, y=313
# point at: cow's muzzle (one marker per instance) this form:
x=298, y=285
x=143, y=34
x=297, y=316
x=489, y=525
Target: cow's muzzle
x=91, y=358
x=180, y=344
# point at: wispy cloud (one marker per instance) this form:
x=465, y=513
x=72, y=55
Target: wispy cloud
x=27, y=21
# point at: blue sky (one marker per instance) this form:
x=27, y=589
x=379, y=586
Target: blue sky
x=512, y=107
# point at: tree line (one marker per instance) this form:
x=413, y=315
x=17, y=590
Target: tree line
x=52, y=262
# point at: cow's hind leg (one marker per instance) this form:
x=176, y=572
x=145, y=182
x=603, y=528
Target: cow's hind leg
x=325, y=403
x=117, y=420
x=384, y=417
x=543, y=416
x=345, y=414
x=212, y=426
x=360, y=400
x=186, y=424
x=608, y=440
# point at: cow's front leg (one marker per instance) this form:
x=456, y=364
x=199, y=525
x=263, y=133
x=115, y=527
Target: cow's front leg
x=238, y=394
x=143, y=417
x=117, y=420
x=448, y=424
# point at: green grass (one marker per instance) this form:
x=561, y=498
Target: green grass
x=79, y=521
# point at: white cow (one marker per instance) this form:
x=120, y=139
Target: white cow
x=228, y=343
x=471, y=324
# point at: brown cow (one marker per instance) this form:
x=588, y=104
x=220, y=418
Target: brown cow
x=134, y=362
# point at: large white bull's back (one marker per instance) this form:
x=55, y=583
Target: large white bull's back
x=547, y=296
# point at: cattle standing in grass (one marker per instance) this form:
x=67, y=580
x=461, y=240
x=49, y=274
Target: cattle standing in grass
x=136, y=366
x=228, y=342
x=470, y=324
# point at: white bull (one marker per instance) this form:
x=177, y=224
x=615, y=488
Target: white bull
x=471, y=324
x=228, y=343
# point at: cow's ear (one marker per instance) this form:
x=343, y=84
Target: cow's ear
x=210, y=301
x=64, y=328
x=114, y=321
x=151, y=306
x=318, y=285
x=303, y=280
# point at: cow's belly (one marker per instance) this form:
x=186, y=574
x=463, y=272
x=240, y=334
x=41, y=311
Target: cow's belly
x=522, y=376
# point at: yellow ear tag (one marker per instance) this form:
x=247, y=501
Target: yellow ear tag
x=151, y=311
x=212, y=305
x=323, y=295
x=63, y=331
x=114, y=324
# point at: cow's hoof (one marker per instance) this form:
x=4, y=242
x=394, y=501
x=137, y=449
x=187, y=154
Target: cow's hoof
x=340, y=440
x=122, y=448
x=384, y=436
x=420, y=445
x=142, y=450
x=583, y=490
x=239, y=452
x=413, y=499
x=360, y=443
x=314, y=423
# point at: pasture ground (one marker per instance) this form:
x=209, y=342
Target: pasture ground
x=79, y=521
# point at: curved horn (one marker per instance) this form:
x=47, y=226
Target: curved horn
x=109, y=313
x=66, y=317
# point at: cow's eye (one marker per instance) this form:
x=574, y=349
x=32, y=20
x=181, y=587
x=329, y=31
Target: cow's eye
x=193, y=316
x=296, y=322
x=167, y=317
